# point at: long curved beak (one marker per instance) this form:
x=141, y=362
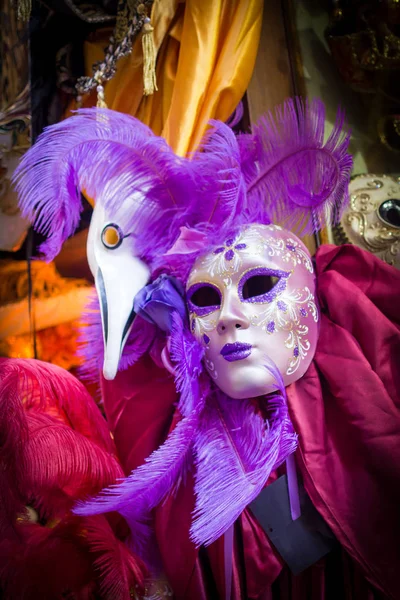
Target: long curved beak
x=117, y=283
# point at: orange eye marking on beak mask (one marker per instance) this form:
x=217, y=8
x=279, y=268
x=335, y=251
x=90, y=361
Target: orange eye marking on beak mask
x=112, y=236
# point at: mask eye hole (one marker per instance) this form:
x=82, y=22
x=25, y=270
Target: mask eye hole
x=112, y=236
x=205, y=296
x=258, y=285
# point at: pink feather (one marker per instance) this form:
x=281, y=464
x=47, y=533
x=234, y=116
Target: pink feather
x=46, y=563
x=120, y=572
x=79, y=557
x=59, y=465
x=55, y=445
x=47, y=389
x=54, y=449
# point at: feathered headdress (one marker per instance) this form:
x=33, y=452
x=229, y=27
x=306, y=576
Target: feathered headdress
x=109, y=156
x=284, y=172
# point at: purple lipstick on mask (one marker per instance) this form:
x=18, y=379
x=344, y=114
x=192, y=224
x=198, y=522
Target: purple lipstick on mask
x=236, y=351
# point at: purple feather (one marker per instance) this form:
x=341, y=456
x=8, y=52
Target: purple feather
x=292, y=177
x=236, y=116
x=301, y=182
x=150, y=483
x=90, y=341
x=187, y=354
x=221, y=205
x=224, y=190
x=146, y=487
x=250, y=148
x=109, y=156
x=236, y=451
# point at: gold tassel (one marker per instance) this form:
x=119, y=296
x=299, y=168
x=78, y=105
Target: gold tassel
x=149, y=59
x=101, y=103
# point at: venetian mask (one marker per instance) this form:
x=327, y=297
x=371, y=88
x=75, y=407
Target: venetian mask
x=252, y=300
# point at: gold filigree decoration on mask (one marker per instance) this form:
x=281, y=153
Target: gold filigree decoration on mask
x=285, y=313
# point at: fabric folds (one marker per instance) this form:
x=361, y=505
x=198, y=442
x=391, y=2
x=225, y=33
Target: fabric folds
x=205, y=57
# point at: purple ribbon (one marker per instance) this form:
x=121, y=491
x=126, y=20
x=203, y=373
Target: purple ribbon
x=293, y=487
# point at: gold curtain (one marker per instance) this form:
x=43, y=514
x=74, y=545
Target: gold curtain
x=206, y=50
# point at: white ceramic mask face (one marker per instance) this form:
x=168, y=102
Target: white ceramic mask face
x=250, y=298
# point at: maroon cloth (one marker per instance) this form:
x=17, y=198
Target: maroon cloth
x=346, y=412
x=139, y=405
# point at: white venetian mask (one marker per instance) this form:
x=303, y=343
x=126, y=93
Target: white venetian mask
x=252, y=299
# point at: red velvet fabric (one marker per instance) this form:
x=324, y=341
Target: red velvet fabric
x=139, y=405
x=346, y=412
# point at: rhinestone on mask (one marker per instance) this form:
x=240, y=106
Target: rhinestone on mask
x=230, y=251
x=271, y=327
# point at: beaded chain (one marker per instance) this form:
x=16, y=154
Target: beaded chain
x=120, y=44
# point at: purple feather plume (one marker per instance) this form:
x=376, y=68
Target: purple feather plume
x=292, y=177
x=109, y=156
x=236, y=451
x=187, y=355
x=301, y=182
x=146, y=487
x=283, y=172
x=150, y=483
x=225, y=192
x=236, y=116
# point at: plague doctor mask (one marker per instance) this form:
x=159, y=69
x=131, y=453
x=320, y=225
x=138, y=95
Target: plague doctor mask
x=134, y=178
